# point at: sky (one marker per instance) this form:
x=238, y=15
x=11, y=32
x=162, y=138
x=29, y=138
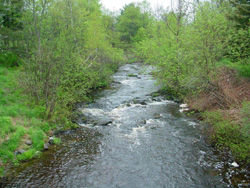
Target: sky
x=115, y=5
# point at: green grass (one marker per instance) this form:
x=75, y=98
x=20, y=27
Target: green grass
x=29, y=154
x=6, y=126
x=242, y=67
x=229, y=134
x=57, y=140
x=9, y=146
x=19, y=121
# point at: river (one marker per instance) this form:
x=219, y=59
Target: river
x=131, y=138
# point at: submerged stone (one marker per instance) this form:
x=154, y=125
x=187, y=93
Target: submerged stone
x=157, y=116
x=46, y=146
x=104, y=121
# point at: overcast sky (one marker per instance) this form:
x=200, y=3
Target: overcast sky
x=114, y=5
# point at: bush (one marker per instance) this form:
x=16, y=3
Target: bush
x=9, y=59
x=228, y=134
x=225, y=132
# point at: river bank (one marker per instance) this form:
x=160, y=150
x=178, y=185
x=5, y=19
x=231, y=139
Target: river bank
x=224, y=105
x=147, y=135
x=24, y=133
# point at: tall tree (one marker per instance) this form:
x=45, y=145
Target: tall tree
x=239, y=43
x=11, y=12
x=241, y=13
x=131, y=21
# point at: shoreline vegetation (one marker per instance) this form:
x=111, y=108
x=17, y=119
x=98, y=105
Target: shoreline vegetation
x=55, y=53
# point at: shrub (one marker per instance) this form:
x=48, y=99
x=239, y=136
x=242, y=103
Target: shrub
x=228, y=134
x=9, y=59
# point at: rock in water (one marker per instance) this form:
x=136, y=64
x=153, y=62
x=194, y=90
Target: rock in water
x=96, y=117
x=157, y=116
x=183, y=105
x=46, y=146
x=51, y=141
x=234, y=164
x=104, y=121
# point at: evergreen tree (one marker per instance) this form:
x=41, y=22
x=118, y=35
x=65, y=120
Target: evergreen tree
x=241, y=13
x=239, y=41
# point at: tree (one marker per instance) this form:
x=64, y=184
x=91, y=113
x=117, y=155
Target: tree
x=185, y=52
x=241, y=13
x=132, y=20
x=11, y=12
x=69, y=56
x=239, y=42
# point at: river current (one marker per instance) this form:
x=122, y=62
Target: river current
x=131, y=138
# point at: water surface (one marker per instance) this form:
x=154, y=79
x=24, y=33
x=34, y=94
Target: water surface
x=146, y=142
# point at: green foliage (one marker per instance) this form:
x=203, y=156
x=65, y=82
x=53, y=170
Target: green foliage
x=245, y=112
x=57, y=140
x=241, y=13
x=9, y=59
x=70, y=48
x=242, y=66
x=185, y=55
x=187, y=52
x=225, y=131
x=37, y=136
x=227, y=134
x=29, y=154
x=19, y=120
x=239, y=45
x=133, y=24
x=1, y=171
x=155, y=94
x=6, y=126
x=67, y=49
x=8, y=147
x=66, y=67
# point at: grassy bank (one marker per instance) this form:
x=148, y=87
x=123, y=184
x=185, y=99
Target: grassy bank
x=32, y=108
x=23, y=132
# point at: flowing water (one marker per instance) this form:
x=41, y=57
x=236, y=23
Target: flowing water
x=130, y=138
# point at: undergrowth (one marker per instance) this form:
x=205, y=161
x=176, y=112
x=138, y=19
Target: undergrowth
x=19, y=122
x=226, y=107
x=226, y=133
